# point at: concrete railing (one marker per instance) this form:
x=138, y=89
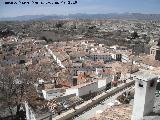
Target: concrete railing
x=90, y=103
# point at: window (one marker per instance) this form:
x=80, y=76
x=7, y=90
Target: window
x=152, y=83
x=140, y=84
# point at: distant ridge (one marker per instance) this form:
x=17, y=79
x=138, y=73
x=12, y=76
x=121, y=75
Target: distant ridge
x=124, y=16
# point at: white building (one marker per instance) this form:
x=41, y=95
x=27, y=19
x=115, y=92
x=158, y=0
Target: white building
x=104, y=84
x=115, y=47
x=125, y=58
x=100, y=56
x=29, y=112
x=117, y=56
x=53, y=93
x=83, y=89
x=57, y=60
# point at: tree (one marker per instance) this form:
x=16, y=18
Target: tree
x=43, y=38
x=58, y=25
x=16, y=88
x=49, y=40
x=134, y=35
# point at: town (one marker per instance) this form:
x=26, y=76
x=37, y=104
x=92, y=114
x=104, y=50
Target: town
x=61, y=69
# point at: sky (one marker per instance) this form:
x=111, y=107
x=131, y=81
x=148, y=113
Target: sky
x=82, y=6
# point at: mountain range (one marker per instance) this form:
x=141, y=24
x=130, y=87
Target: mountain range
x=124, y=16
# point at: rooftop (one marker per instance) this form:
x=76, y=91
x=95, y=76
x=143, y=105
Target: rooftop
x=120, y=112
x=84, y=84
x=150, y=60
x=124, y=112
x=145, y=75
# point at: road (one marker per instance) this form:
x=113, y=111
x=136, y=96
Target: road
x=102, y=106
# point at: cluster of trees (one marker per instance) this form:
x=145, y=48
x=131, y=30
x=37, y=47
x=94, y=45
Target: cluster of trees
x=6, y=33
x=17, y=85
x=16, y=88
x=46, y=39
x=134, y=35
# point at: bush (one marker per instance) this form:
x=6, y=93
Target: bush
x=43, y=38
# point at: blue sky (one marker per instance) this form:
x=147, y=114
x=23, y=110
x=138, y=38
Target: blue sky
x=83, y=6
